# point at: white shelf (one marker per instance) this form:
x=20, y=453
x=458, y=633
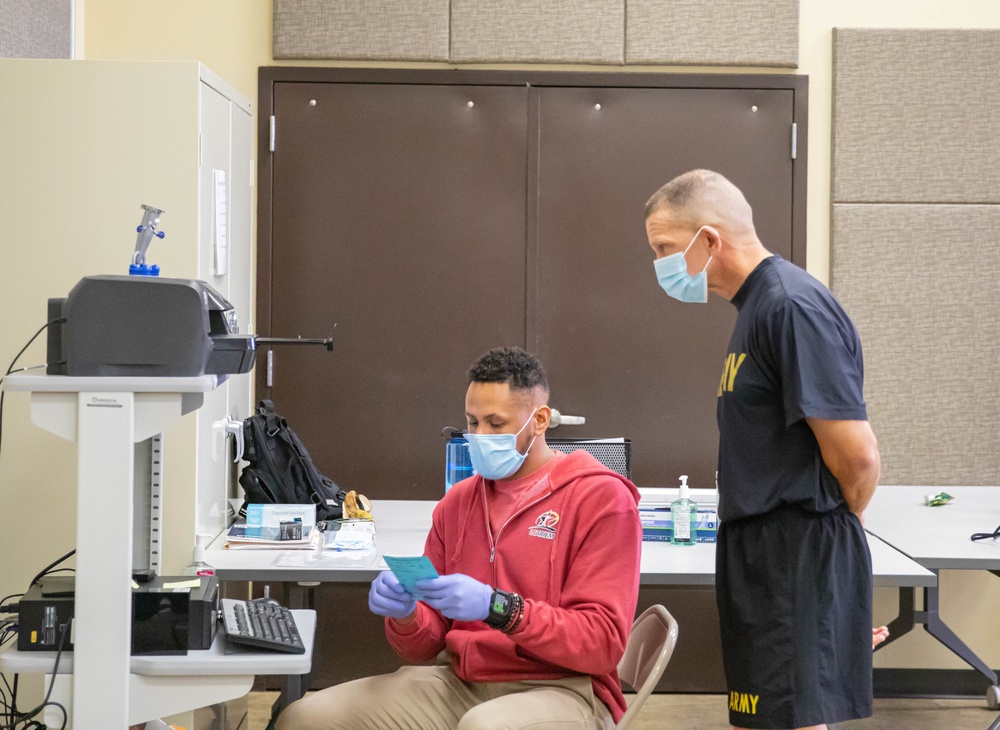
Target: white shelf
x=97, y=384
x=208, y=662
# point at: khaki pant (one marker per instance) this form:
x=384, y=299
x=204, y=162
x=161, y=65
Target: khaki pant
x=433, y=698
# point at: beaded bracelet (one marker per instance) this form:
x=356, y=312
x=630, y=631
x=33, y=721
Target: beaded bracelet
x=514, y=609
x=515, y=616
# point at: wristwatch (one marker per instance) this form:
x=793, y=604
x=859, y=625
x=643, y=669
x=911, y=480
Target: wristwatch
x=501, y=606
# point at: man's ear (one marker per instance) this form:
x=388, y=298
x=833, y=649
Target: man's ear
x=713, y=238
x=542, y=418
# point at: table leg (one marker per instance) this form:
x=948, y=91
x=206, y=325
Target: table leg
x=905, y=619
x=293, y=686
x=940, y=631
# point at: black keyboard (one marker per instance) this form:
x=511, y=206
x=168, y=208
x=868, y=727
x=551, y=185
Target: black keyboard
x=262, y=625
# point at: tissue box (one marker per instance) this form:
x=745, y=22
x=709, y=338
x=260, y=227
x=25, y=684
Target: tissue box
x=657, y=525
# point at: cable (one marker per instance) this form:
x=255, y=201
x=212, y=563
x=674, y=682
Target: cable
x=45, y=571
x=986, y=535
x=26, y=717
x=11, y=719
x=14, y=362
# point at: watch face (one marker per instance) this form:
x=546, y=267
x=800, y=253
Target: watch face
x=500, y=602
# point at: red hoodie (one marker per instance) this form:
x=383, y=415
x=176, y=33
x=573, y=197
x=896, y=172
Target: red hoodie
x=572, y=551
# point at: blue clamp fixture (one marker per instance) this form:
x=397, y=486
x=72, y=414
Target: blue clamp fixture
x=146, y=231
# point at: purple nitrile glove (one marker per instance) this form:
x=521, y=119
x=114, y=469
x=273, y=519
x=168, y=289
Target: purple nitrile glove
x=388, y=598
x=456, y=596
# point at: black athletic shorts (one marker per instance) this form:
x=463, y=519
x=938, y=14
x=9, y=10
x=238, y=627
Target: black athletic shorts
x=794, y=590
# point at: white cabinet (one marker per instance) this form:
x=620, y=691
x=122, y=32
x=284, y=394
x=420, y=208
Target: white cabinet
x=84, y=143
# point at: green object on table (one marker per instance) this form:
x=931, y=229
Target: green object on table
x=936, y=500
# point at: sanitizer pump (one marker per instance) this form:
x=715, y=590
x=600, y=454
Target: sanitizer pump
x=198, y=565
x=684, y=516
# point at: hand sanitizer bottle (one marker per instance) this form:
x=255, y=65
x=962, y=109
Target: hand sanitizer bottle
x=198, y=565
x=684, y=515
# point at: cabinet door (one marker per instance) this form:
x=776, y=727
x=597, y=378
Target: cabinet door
x=618, y=350
x=213, y=468
x=397, y=225
x=240, y=387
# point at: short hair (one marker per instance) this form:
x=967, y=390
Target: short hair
x=702, y=196
x=512, y=365
x=676, y=194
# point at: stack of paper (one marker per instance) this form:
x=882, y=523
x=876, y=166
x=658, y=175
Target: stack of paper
x=267, y=524
x=242, y=536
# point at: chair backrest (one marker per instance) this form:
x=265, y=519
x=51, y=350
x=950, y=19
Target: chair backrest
x=650, y=644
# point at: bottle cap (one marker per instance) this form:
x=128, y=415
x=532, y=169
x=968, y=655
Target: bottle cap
x=684, y=487
x=199, y=554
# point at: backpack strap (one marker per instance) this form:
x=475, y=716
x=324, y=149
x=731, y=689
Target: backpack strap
x=273, y=421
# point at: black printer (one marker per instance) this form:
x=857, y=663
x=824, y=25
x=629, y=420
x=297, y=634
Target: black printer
x=146, y=326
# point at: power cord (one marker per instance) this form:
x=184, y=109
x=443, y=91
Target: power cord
x=13, y=362
x=48, y=568
x=986, y=535
x=26, y=719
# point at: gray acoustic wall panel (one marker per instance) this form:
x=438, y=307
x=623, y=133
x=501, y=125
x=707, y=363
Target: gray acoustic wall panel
x=36, y=28
x=920, y=282
x=537, y=31
x=713, y=32
x=415, y=30
x=916, y=116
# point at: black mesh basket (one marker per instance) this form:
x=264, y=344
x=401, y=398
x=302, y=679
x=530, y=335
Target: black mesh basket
x=616, y=455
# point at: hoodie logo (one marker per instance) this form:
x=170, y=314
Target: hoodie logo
x=545, y=525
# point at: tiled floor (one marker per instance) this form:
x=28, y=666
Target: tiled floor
x=708, y=712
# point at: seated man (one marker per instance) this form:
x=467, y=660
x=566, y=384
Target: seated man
x=538, y=557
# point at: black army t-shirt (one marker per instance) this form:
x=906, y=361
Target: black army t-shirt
x=794, y=354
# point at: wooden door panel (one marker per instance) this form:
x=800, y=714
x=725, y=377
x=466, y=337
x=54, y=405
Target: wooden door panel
x=618, y=350
x=398, y=215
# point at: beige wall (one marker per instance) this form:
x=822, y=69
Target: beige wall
x=232, y=37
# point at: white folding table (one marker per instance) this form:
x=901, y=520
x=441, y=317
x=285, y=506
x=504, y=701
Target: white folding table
x=402, y=527
x=938, y=538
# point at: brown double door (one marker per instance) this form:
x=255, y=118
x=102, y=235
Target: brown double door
x=433, y=215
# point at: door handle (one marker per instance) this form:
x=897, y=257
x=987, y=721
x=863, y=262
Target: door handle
x=558, y=419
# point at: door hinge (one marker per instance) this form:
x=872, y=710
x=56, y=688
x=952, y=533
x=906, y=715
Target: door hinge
x=270, y=368
x=252, y=169
x=795, y=138
x=272, y=134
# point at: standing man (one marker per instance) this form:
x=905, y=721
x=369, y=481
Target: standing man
x=798, y=463
x=538, y=556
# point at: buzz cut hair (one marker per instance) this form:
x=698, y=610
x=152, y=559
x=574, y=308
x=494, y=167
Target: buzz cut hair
x=680, y=192
x=702, y=196
x=518, y=368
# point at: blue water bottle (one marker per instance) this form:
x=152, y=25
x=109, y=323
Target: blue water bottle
x=458, y=462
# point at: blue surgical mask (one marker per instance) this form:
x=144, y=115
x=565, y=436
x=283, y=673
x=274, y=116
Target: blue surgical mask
x=495, y=455
x=672, y=273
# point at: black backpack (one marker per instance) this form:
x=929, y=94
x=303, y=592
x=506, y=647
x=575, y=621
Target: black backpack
x=280, y=469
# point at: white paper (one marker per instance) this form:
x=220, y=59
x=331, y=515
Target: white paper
x=325, y=559
x=221, y=248
x=351, y=535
